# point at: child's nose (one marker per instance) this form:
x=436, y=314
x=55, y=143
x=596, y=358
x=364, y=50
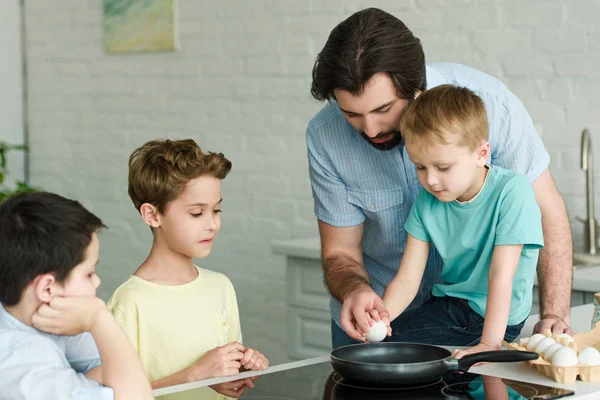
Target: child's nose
x=212, y=224
x=432, y=179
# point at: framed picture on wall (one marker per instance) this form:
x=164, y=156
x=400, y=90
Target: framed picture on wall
x=140, y=25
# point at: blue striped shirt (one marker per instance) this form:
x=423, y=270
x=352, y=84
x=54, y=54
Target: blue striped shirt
x=354, y=183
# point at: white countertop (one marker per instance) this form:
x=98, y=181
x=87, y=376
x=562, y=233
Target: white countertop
x=585, y=279
x=580, y=321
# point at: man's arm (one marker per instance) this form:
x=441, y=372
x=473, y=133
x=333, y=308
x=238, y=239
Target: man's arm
x=341, y=252
x=347, y=280
x=555, y=265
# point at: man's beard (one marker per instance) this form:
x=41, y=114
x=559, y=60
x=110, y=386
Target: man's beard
x=393, y=142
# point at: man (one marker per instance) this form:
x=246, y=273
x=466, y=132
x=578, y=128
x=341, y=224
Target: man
x=364, y=184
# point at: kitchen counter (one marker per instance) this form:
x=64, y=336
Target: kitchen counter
x=585, y=279
x=307, y=298
x=580, y=321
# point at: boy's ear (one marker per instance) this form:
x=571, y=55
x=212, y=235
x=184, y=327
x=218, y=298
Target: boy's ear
x=46, y=287
x=150, y=215
x=483, y=153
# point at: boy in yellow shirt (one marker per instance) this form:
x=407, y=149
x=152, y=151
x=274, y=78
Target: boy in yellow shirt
x=182, y=320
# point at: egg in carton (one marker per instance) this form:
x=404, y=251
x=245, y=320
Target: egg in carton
x=578, y=355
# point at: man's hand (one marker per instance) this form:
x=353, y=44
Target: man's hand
x=553, y=322
x=220, y=361
x=254, y=360
x=69, y=316
x=233, y=389
x=357, y=304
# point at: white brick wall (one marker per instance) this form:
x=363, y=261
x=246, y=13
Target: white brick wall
x=11, y=105
x=240, y=85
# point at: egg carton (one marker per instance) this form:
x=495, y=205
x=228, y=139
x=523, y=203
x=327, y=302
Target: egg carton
x=581, y=340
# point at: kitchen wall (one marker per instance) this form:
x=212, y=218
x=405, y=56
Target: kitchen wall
x=240, y=85
x=11, y=82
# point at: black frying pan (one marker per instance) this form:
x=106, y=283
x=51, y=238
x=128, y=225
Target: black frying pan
x=393, y=363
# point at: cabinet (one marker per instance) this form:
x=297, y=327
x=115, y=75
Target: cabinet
x=308, y=321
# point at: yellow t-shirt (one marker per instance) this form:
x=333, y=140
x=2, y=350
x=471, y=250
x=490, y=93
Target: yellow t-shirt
x=171, y=327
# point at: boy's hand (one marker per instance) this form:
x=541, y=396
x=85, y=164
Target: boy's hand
x=69, y=315
x=374, y=316
x=220, y=361
x=254, y=360
x=233, y=389
x=457, y=354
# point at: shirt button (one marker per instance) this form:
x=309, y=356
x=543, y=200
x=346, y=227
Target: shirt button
x=371, y=206
x=415, y=182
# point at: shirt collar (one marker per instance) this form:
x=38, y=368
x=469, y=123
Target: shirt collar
x=434, y=78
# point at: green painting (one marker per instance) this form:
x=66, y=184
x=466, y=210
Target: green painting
x=139, y=25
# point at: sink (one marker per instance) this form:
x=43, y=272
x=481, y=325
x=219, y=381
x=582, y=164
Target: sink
x=582, y=260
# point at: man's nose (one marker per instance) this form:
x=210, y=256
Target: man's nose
x=371, y=129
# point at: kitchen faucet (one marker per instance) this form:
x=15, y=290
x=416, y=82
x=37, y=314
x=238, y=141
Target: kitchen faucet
x=590, y=238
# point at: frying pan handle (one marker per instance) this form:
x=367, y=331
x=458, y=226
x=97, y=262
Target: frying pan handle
x=495, y=356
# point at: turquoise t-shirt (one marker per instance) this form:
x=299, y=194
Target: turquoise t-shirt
x=504, y=212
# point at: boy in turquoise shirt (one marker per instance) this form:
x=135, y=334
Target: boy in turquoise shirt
x=484, y=221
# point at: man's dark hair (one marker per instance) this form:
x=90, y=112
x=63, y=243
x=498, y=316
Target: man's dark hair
x=41, y=233
x=368, y=42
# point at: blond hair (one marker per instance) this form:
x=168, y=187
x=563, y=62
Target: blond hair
x=160, y=169
x=443, y=115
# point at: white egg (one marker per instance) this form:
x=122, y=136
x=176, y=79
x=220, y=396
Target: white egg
x=543, y=344
x=567, y=336
x=378, y=332
x=534, y=340
x=550, y=351
x=564, y=357
x=589, y=356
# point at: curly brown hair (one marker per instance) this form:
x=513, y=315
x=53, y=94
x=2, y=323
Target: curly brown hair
x=159, y=170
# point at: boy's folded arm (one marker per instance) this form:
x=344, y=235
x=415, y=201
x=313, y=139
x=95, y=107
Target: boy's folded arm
x=121, y=367
x=82, y=354
x=405, y=285
x=125, y=316
x=33, y=369
x=505, y=261
x=95, y=374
